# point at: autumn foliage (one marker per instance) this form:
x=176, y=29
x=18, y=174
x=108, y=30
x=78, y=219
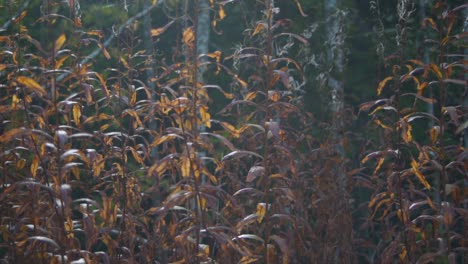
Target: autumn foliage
x=214, y=157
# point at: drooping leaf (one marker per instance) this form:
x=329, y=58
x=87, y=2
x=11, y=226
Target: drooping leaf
x=31, y=84
x=419, y=175
x=382, y=84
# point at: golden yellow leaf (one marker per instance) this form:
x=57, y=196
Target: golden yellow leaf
x=258, y=28
x=14, y=102
x=403, y=253
x=379, y=165
x=124, y=62
x=248, y=260
x=34, y=166
x=202, y=203
x=157, y=31
x=136, y=156
x=69, y=228
x=261, y=210
x=185, y=166
x=421, y=87
x=436, y=70
x=205, y=116
x=406, y=132
x=215, y=55
x=31, y=84
x=59, y=42
x=382, y=84
x=60, y=62
x=231, y=129
x=188, y=36
x=422, y=179
x=76, y=114
x=3, y=67
x=20, y=164
x=250, y=96
x=221, y=12
x=242, y=82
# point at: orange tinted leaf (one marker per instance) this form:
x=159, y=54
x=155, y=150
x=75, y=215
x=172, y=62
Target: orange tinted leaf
x=431, y=23
x=258, y=28
x=20, y=17
x=221, y=12
x=382, y=84
x=421, y=87
x=436, y=70
x=31, y=84
x=188, y=36
x=274, y=95
x=34, y=166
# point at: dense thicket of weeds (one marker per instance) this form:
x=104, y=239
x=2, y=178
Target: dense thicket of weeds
x=115, y=154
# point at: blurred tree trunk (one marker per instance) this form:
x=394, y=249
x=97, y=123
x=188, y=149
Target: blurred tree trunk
x=341, y=226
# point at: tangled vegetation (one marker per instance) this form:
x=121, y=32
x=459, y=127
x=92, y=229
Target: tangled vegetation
x=116, y=151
